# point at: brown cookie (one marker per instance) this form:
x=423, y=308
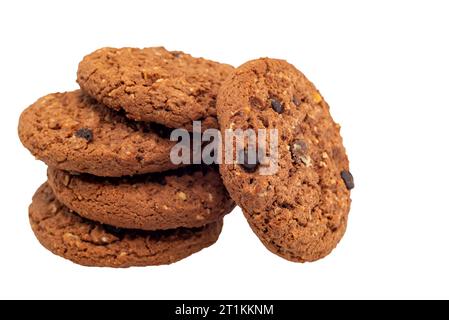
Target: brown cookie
x=71, y=131
x=300, y=212
x=92, y=244
x=153, y=84
x=190, y=197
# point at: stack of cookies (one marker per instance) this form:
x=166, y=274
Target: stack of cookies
x=113, y=196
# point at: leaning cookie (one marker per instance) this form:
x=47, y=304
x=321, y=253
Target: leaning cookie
x=92, y=244
x=190, y=197
x=71, y=131
x=300, y=211
x=153, y=84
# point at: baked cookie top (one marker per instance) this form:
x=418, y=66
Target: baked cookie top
x=189, y=197
x=89, y=243
x=71, y=131
x=300, y=212
x=152, y=84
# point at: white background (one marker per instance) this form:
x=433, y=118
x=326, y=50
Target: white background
x=382, y=66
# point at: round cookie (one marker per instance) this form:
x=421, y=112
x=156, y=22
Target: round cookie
x=300, y=212
x=190, y=197
x=71, y=131
x=153, y=84
x=92, y=244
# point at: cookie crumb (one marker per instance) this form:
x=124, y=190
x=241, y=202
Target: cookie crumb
x=53, y=208
x=69, y=237
x=299, y=151
x=316, y=97
x=181, y=195
x=54, y=124
x=66, y=180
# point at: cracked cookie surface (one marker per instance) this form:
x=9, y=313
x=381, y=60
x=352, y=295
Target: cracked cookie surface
x=71, y=131
x=93, y=244
x=189, y=197
x=300, y=212
x=153, y=84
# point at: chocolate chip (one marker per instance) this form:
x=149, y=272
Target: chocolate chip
x=244, y=161
x=348, y=179
x=277, y=105
x=85, y=133
x=296, y=101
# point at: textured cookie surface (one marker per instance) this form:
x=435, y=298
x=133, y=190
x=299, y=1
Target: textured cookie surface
x=92, y=244
x=72, y=132
x=300, y=212
x=190, y=197
x=153, y=84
